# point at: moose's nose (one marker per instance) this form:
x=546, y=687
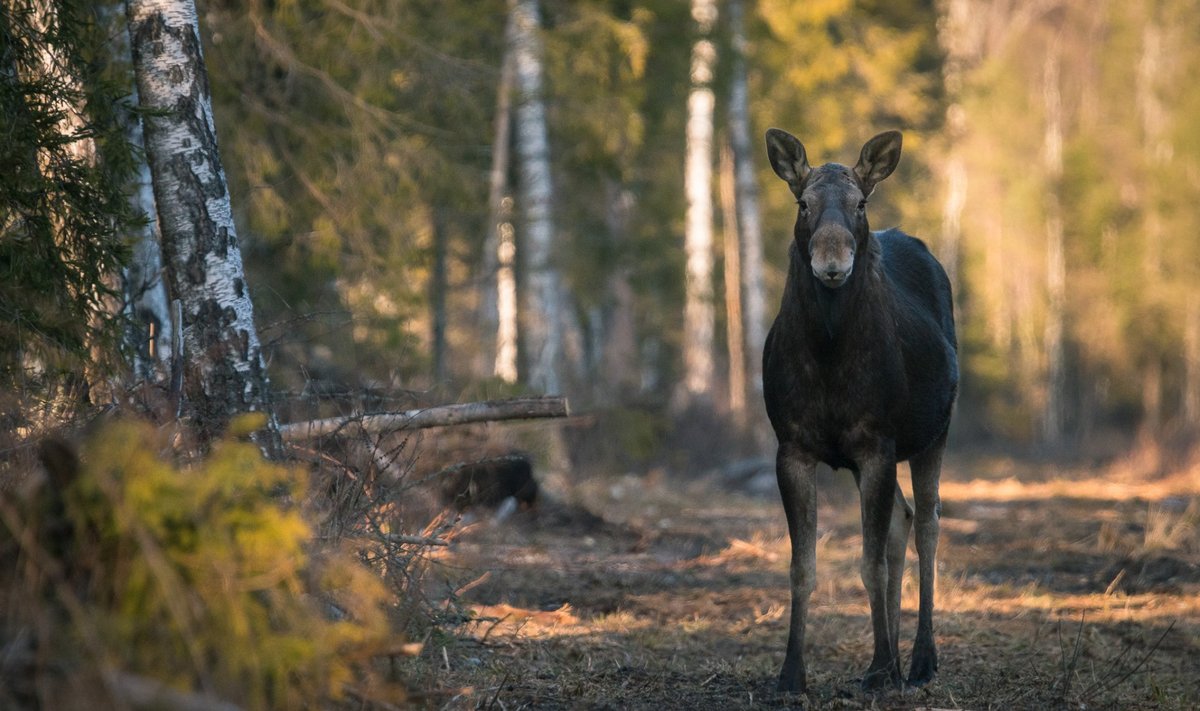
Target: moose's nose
x=831, y=276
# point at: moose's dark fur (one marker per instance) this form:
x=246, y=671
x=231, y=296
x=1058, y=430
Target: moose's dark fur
x=860, y=371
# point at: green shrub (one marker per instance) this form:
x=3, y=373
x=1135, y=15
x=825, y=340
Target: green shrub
x=207, y=577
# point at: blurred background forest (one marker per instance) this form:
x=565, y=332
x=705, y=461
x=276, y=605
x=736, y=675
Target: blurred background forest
x=441, y=201
x=404, y=174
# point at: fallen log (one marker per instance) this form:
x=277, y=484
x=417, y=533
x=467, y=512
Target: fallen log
x=521, y=408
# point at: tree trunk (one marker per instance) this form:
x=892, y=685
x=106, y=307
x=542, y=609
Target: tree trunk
x=954, y=38
x=618, y=377
x=148, y=309
x=1155, y=148
x=1191, y=361
x=734, y=335
x=1056, y=278
x=698, y=317
x=225, y=371
x=542, y=321
x=506, y=305
x=748, y=219
x=437, y=298
x=499, y=219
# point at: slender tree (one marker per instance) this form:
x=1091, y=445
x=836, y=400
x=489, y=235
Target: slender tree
x=698, y=316
x=542, y=321
x=957, y=39
x=749, y=222
x=1056, y=271
x=1153, y=116
x=149, y=331
x=499, y=325
x=734, y=329
x=225, y=371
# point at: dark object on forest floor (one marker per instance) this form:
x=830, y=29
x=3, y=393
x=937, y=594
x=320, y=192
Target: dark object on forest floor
x=860, y=371
x=489, y=482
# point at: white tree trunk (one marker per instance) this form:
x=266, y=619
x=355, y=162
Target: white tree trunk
x=542, y=320
x=148, y=307
x=748, y=219
x=148, y=336
x=499, y=220
x=698, y=317
x=506, y=306
x=146, y=302
x=224, y=369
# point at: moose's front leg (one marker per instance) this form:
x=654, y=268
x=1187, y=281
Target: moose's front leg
x=796, y=472
x=877, y=489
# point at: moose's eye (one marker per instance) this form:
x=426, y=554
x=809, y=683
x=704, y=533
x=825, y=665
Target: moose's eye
x=862, y=205
x=803, y=205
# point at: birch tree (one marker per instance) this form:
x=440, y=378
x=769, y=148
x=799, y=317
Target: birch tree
x=150, y=332
x=499, y=292
x=541, y=322
x=698, y=317
x=225, y=373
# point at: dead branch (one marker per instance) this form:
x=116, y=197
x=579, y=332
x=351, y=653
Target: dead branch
x=521, y=408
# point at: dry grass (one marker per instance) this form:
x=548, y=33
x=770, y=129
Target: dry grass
x=1058, y=589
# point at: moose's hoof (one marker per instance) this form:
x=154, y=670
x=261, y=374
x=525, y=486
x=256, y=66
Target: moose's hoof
x=791, y=682
x=923, y=669
x=882, y=679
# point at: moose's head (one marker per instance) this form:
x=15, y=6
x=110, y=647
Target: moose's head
x=832, y=225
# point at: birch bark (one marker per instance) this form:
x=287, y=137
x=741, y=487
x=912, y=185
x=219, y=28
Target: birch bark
x=224, y=370
x=699, y=317
x=542, y=320
x=499, y=326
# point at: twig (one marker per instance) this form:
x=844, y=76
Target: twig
x=1069, y=667
x=415, y=540
x=496, y=696
x=522, y=408
x=1110, y=685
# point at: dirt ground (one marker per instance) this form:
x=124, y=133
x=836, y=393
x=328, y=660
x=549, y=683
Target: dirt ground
x=1057, y=588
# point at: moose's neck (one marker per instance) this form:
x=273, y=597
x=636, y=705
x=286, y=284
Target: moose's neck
x=831, y=314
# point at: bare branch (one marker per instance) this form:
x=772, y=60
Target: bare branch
x=522, y=408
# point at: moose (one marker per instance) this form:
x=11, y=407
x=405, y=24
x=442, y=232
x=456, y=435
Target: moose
x=860, y=372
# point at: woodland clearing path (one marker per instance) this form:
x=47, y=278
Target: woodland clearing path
x=1056, y=589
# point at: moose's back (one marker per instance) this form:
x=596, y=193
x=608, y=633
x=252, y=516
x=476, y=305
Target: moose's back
x=925, y=316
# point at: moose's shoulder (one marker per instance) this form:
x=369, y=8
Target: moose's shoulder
x=897, y=240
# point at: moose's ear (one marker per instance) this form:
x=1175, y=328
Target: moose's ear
x=787, y=157
x=878, y=159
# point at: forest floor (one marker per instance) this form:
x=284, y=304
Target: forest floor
x=1058, y=588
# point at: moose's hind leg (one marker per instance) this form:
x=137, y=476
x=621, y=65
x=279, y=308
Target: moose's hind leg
x=877, y=487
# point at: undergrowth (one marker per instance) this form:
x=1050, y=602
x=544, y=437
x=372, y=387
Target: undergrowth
x=130, y=580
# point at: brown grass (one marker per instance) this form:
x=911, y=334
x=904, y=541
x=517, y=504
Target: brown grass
x=1058, y=589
